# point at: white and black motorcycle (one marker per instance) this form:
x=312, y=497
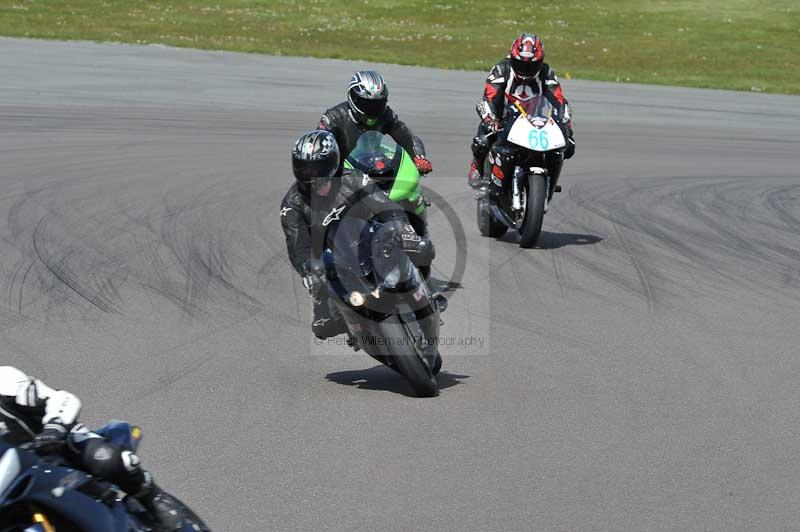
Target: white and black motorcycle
x=532, y=136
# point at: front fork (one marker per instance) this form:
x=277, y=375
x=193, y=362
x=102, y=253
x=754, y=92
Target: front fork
x=518, y=189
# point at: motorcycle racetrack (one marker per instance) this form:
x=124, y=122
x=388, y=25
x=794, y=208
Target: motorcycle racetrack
x=637, y=370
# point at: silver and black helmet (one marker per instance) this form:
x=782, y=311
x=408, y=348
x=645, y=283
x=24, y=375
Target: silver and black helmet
x=315, y=158
x=367, y=95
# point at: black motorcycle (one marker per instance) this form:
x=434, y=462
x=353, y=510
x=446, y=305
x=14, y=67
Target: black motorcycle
x=46, y=494
x=532, y=135
x=390, y=311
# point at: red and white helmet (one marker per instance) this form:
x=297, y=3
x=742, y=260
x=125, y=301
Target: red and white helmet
x=527, y=56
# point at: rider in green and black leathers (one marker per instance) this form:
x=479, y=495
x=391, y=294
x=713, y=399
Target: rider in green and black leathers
x=367, y=109
x=315, y=203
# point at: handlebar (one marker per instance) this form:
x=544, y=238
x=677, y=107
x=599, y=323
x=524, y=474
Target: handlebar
x=35, y=447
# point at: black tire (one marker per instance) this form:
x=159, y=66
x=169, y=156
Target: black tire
x=534, y=211
x=488, y=225
x=419, y=374
x=194, y=522
x=437, y=366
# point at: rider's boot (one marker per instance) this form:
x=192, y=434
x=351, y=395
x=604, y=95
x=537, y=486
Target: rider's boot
x=474, y=177
x=165, y=512
x=352, y=342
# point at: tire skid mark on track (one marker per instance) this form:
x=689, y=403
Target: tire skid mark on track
x=201, y=255
x=671, y=216
x=557, y=270
x=58, y=266
x=14, y=292
x=79, y=253
x=640, y=273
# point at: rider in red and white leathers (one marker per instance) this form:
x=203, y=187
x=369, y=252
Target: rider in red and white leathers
x=522, y=75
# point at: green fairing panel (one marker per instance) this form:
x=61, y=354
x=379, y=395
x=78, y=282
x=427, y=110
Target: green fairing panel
x=406, y=184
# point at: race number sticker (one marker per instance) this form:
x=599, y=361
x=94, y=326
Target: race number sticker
x=537, y=139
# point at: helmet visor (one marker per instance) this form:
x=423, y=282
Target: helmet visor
x=526, y=69
x=314, y=174
x=371, y=108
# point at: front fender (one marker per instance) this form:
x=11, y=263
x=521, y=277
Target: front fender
x=396, y=334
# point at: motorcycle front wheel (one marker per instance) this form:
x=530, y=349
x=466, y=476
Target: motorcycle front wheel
x=536, y=194
x=419, y=373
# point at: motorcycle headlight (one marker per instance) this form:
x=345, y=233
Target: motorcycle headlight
x=357, y=299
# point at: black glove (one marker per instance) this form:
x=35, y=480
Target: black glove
x=400, y=235
x=52, y=437
x=409, y=238
x=569, y=151
x=313, y=278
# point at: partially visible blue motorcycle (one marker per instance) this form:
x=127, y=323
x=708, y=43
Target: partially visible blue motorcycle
x=46, y=494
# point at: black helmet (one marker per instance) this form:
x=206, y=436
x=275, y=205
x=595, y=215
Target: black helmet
x=367, y=95
x=527, y=56
x=315, y=158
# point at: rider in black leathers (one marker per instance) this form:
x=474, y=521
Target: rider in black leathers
x=367, y=109
x=32, y=411
x=315, y=203
x=522, y=75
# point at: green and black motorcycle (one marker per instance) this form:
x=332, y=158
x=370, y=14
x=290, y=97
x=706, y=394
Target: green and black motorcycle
x=380, y=158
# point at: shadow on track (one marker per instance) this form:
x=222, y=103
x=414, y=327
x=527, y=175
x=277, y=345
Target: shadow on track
x=444, y=286
x=548, y=240
x=381, y=378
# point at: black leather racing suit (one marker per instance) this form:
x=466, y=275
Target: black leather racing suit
x=306, y=219
x=503, y=87
x=341, y=122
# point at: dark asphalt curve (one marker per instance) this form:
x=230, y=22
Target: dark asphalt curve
x=638, y=370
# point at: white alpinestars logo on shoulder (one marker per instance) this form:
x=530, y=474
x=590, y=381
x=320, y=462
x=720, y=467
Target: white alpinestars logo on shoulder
x=285, y=210
x=333, y=216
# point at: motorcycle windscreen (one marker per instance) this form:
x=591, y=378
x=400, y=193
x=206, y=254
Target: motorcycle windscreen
x=536, y=130
x=374, y=153
x=349, y=242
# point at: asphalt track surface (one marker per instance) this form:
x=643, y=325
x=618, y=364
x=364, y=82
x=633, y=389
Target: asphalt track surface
x=639, y=369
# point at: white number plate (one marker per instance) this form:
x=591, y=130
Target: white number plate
x=546, y=138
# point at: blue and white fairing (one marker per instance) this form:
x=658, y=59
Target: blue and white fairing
x=59, y=491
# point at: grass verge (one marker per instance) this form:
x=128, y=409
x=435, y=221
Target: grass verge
x=733, y=44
